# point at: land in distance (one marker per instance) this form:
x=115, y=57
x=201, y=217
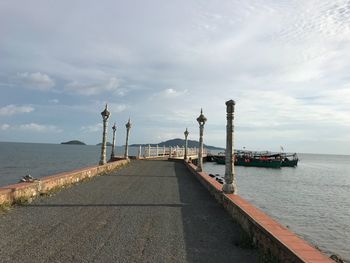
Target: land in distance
x=75, y=142
x=179, y=142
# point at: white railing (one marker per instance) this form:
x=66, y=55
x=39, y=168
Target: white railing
x=172, y=152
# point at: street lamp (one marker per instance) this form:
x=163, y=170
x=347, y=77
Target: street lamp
x=105, y=115
x=114, y=128
x=128, y=126
x=229, y=186
x=201, y=120
x=186, y=134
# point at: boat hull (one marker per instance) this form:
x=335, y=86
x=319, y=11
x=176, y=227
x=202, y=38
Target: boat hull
x=290, y=163
x=252, y=162
x=220, y=160
x=258, y=163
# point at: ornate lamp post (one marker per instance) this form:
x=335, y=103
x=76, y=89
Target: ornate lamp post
x=201, y=120
x=128, y=126
x=229, y=186
x=114, y=128
x=186, y=134
x=105, y=115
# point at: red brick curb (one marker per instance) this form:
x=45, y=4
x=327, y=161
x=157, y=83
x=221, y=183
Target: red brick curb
x=267, y=234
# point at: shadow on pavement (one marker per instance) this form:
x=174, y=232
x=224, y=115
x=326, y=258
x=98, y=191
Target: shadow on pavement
x=106, y=205
x=210, y=233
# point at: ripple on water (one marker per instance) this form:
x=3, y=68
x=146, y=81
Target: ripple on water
x=313, y=200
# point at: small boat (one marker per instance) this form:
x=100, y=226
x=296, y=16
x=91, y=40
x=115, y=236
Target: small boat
x=289, y=160
x=260, y=159
x=251, y=160
x=219, y=158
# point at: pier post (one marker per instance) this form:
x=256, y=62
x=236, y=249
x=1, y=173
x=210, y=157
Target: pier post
x=140, y=151
x=114, y=128
x=186, y=134
x=229, y=186
x=164, y=150
x=128, y=126
x=170, y=151
x=157, y=150
x=201, y=120
x=105, y=115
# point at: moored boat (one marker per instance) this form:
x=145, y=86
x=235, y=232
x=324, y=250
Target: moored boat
x=289, y=160
x=250, y=160
x=219, y=159
x=260, y=159
x=258, y=162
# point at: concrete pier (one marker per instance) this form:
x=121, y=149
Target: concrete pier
x=170, y=218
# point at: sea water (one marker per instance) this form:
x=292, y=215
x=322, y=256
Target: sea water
x=312, y=200
x=39, y=159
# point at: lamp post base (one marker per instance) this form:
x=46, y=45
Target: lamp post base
x=229, y=189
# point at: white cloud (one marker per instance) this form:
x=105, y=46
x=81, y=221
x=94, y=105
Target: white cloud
x=31, y=127
x=270, y=56
x=116, y=108
x=35, y=127
x=35, y=81
x=169, y=93
x=4, y=127
x=12, y=109
x=92, y=128
x=285, y=117
x=54, y=101
x=111, y=85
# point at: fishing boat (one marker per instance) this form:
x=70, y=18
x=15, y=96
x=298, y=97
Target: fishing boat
x=258, y=162
x=260, y=159
x=289, y=160
x=220, y=158
x=257, y=159
x=252, y=160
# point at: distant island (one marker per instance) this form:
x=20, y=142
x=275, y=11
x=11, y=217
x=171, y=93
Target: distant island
x=179, y=142
x=75, y=142
x=107, y=144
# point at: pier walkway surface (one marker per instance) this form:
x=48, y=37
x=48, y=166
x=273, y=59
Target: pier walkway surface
x=149, y=211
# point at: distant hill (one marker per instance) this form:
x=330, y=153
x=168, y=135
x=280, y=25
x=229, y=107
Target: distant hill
x=179, y=142
x=108, y=144
x=75, y=142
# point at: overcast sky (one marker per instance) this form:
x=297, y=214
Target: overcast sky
x=285, y=63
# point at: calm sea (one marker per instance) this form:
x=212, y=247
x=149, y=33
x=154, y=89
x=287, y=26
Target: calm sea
x=39, y=159
x=313, y=200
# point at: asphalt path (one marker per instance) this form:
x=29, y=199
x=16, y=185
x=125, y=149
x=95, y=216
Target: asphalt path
x=149, y=211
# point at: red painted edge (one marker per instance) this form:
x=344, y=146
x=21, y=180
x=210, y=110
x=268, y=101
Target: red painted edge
x=284, y=236
x=205, y=176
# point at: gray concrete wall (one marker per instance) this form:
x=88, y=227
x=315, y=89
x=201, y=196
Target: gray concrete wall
x=23, y=191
